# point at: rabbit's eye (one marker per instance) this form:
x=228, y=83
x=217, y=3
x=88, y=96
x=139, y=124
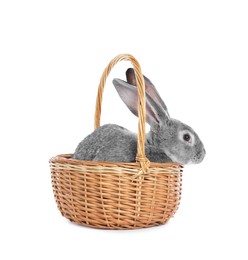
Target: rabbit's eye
x=186, y=137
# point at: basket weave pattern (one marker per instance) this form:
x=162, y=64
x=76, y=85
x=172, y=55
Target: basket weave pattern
x=117, y=195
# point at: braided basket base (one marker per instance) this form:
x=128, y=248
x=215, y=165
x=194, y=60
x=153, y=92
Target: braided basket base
x=115, y=195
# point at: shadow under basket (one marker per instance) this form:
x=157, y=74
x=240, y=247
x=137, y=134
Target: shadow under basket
x=117, y=195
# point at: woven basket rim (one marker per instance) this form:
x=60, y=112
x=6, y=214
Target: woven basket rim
x=66, y=159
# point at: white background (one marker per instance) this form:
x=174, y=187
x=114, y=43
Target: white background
x=52, y=54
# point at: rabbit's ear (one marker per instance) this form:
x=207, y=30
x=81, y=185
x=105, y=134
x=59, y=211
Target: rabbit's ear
x=150, y=88
x=155, y=114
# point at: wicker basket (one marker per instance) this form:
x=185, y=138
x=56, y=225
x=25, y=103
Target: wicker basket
x=117, y=195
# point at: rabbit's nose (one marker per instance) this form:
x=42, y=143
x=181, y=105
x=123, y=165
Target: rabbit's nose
x=201, y=154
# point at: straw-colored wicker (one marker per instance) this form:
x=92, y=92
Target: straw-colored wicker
x=117, y=195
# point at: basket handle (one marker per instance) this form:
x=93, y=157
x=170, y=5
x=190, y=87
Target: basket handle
x=140, y=157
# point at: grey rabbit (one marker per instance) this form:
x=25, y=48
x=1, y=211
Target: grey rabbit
x=169, y=140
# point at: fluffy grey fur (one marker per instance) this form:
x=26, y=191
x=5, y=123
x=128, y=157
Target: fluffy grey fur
x=168, y=139
x=115, y=144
